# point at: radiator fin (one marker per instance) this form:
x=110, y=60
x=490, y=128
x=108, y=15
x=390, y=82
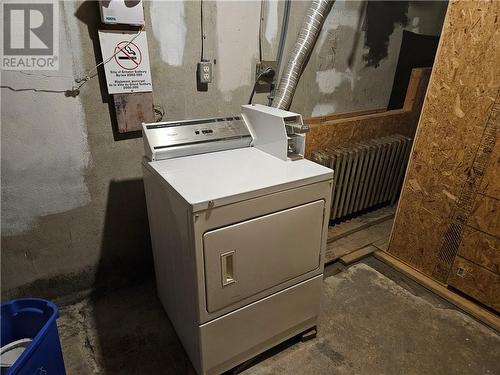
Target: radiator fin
x=366, y=174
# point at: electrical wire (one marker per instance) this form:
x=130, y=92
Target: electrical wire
x=267, y=73
x=261, y=18
x=159, y=112
x=79, y=80
x=88, y=76
x=202, y=29
x=40, y=74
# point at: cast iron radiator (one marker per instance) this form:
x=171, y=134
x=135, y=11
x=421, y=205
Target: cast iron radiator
x=366, y=174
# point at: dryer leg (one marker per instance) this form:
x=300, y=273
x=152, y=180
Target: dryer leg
x=309, y=334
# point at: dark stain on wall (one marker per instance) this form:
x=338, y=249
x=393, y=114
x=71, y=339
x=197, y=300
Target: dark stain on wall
x=381, y=19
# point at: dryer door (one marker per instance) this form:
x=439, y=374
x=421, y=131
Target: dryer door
x=252, y=256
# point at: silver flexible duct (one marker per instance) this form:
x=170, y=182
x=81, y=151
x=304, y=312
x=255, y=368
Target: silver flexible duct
x=308, y=35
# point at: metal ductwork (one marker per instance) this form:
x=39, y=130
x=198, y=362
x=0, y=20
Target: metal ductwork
x=308, y=35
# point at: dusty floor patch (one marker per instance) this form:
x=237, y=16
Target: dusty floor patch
x=369, y=324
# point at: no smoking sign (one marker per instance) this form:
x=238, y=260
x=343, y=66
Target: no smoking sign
x=128, y=55
x=128, y=67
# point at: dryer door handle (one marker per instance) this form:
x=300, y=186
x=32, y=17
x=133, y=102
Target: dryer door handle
x=227, y=268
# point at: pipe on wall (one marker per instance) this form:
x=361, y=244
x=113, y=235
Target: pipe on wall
x=308, y=35
x=281, y=47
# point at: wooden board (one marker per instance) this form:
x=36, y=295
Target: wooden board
x=482, y=249
x=361, y=222
x=333, y=252
x=462, y=303
x=485, y=215
x=459, y=106
x=489, y=183
x=382, y=244
x=357, y=255
x=132, y=110
x=476, y=281
x=342, y=115
x=330, y=131
x=358, y=240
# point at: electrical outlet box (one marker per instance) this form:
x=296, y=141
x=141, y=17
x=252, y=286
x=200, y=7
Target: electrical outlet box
x=264, y=85
x=204, y=72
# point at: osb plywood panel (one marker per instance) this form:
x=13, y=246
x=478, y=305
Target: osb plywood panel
x=476, y=281
x=485, y=215
x=342, y=115
x=412, y=235
x=461, y=94
x=489, y=184
x=132, y=110
x=482, y=249
x=334, y=130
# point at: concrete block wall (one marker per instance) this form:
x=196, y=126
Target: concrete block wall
x=73, y=209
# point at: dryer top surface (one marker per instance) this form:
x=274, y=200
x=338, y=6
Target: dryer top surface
x=235, y=175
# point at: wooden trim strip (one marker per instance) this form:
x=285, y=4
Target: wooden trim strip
x=342, y=115
x=462, y=303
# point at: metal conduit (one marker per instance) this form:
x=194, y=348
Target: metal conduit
x=308, y=35
x=281, y=47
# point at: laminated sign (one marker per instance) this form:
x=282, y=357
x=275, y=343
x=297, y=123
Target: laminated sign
x=128, y=68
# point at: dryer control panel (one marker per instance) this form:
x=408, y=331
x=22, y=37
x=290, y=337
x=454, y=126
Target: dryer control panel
x=165, y=140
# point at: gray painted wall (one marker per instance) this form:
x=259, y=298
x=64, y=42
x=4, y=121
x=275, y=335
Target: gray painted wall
x=73, y=210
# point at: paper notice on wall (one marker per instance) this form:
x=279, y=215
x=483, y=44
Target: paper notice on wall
x=128, y=67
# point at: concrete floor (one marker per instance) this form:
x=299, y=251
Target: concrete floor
x=373, y=321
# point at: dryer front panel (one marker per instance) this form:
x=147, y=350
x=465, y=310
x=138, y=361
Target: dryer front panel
x=252, y=256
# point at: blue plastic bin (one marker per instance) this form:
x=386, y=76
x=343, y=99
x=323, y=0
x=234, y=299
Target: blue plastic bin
x=33, y=318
